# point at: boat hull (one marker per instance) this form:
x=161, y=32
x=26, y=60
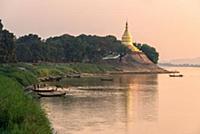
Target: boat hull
x=52, y=94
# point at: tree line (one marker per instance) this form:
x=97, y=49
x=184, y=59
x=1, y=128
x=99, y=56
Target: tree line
x=64, y=48
x=7, y=46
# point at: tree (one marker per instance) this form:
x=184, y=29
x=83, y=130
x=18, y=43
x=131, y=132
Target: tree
x=62, y=48
x=7, y=46
x=1, y=26
x=30, y=48
x=150, y=52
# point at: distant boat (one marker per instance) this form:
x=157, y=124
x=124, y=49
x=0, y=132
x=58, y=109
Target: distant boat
x=73, y=75
x=52, y=94
x=106, y=79
x=43, y=90
x=175, y=75
x=51, y=78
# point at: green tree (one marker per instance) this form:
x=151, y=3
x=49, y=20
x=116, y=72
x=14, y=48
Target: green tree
x=7, y=46
x=30, y=48
x=62, y=48
x=150, y=52
x=1, y=26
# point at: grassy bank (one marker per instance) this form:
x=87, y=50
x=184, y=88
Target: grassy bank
x=62, y=69
x=20, y=113
x=41, y=70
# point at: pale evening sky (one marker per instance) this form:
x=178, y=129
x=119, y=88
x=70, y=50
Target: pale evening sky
x=172, y=26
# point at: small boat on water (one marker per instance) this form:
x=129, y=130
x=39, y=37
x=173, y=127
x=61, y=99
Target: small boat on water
x=106, y=79
x=101, y=88
x=43, y=90
x=73, y=75
x=50, y=78
x=52, y=94
x=175, y=75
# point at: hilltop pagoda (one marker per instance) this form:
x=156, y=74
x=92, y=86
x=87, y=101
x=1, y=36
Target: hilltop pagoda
x=134, y=58
x=128, y=41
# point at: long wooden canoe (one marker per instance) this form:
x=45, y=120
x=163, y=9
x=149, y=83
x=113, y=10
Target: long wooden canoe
x=43, y=90
x=175, y=75
x=52, y=94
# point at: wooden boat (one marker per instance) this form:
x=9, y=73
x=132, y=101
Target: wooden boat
x=73, y=75
x=175, y=75
x=43, y=90
x=106, y=79
x=50, y=78
x=102, y=88
x=52, y=94
x=44, y=79
x=55, y=78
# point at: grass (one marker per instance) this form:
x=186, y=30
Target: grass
x=20, y=113
x=91, y=68
x=27, y=74
x=43, y=70
x=24, y=76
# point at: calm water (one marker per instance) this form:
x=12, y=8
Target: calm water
x=148, y=104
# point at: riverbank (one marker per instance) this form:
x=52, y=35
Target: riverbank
x=61, y=69
x=20, y=113
x=29, y=73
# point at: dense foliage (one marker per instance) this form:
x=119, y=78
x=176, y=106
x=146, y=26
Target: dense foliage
x=67, y=48
x=64, y=48
x=150, y=52
x=7, y=46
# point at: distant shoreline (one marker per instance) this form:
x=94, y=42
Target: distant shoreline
x=129, y=72
x=178, y=65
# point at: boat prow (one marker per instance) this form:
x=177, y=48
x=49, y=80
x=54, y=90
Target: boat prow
x=175, y=75
x=52, y=94
x=43, y=90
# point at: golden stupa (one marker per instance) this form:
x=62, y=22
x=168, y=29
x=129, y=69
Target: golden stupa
x=127, y=40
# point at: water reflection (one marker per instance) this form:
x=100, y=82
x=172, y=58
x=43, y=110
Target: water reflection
x=107, y=111
x=141, y=103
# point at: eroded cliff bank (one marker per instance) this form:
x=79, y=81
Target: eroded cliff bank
x=136, y=62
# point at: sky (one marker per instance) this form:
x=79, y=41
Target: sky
x=171, y=26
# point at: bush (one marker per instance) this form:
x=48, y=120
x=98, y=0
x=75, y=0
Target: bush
x=150, y=52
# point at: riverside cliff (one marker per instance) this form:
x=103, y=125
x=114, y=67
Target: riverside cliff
x=134, y=62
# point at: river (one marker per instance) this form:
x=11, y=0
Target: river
x=145, y=104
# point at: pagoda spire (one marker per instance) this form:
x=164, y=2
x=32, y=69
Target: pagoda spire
x=127, y=39
x=126, y=25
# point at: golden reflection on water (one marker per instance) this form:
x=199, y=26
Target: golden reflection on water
x=141, y=101
x=123, y=112
x=149, y=104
